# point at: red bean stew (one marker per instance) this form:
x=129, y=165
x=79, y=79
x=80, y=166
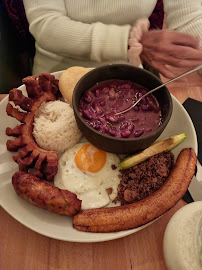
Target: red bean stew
x=99, y=104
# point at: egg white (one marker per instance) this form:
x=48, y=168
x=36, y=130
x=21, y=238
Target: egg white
x=89, y=187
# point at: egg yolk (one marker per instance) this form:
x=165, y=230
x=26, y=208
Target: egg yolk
x=89, y=158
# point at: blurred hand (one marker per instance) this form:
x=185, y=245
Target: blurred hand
x=162, y=48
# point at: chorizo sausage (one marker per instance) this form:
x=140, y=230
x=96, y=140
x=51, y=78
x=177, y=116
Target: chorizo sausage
x=44, y=195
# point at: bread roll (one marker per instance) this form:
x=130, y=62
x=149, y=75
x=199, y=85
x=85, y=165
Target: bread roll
x=69, y=79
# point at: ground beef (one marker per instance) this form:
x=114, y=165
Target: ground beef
x=143, y=179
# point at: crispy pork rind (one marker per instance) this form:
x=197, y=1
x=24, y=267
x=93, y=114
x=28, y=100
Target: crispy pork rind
x=30, y=155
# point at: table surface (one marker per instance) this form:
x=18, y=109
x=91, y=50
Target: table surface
x=22, y=249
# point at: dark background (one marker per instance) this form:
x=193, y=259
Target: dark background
x=16, y=52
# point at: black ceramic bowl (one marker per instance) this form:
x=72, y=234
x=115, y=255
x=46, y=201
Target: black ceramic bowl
x=121, y=72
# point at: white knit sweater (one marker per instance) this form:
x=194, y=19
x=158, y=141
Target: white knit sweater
x=95, y=32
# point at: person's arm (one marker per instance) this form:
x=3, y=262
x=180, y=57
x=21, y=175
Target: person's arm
x=54, y=31
x=164, y=49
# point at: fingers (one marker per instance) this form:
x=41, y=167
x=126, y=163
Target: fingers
x=166, y=47
x=179, y=38
x=184, y=63
x=175, y=37
x=163, y=70
x=177, y=52
x=176, y=62
x=167, y=71
x=186, y=52
x=171, y=72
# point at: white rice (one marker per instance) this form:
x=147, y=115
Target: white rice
x=55, y=127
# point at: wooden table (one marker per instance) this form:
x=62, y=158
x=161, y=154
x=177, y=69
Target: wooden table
x=23, y=249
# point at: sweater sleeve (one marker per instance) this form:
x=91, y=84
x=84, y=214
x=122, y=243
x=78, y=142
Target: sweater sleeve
x=55, y=32
x=184, y=16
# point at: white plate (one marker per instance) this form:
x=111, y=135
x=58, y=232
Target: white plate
x=60, y=227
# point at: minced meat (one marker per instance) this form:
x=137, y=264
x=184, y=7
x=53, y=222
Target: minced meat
x=143, y=179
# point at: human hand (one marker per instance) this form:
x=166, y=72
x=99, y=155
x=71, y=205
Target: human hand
x=163, y=48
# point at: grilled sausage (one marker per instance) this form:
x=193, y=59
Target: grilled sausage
x=44, y=195
x=139, y=213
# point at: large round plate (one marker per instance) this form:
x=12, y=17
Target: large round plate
x=60, y=227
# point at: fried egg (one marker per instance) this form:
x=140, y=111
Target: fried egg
x=90, y=173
